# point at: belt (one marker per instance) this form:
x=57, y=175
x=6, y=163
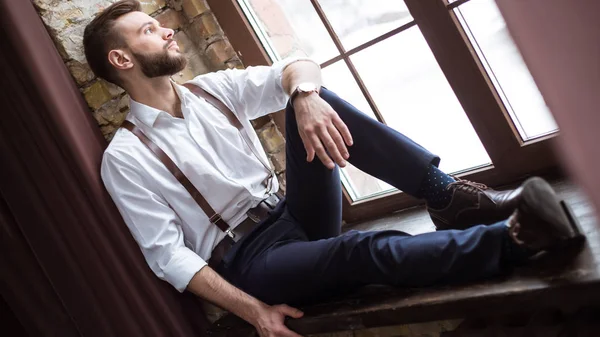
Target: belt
x=255, y=215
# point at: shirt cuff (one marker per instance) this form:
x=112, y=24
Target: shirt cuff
x=184, y=264
x=280, y=66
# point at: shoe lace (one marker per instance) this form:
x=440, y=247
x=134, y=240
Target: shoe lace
x=467, y=186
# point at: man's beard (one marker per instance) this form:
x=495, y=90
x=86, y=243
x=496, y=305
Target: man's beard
x=160, y=64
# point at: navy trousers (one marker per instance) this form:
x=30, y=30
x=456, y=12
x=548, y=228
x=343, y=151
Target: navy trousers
x=298, y=255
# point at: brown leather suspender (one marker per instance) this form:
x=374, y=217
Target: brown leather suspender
x=219, y=105
x=214, y=217
x=172, y=167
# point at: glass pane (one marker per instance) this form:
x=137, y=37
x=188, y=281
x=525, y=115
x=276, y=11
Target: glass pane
x=416, y=99
x=289, y=28
x=338, y=78
x=488, y=34
x=358, y=21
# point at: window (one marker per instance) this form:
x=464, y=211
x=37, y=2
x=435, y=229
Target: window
x=446, y=74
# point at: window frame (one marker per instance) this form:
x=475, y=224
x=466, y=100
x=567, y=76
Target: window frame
x=513, y=159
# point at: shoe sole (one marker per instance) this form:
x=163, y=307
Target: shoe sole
x=540, y=202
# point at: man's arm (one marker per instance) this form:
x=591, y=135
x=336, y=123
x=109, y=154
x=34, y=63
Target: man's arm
x=320, y=127
x=268, y=320
x=160, y=238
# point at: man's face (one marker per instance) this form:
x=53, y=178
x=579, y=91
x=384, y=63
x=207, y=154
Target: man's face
x=152, y=46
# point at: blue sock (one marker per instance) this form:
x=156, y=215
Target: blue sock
x=433, y=188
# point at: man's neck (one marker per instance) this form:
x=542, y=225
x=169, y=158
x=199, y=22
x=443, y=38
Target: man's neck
x=158, y=93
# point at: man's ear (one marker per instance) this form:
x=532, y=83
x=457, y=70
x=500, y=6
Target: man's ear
x=120, y=59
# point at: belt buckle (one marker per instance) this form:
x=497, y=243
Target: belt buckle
x=272, y=201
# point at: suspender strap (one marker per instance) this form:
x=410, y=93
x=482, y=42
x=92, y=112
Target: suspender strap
x=219, y=105
x=172, y=167
x=216, y=103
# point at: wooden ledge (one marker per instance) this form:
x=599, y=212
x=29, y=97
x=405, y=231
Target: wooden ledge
x=566, y=279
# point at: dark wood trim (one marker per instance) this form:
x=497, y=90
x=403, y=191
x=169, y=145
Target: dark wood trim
x=380, y=38
x=244, y=40
x=456, y=3
x=328, y=27
x=239, y=32
x=369, y=43
x=342, y=51
x=331, y=61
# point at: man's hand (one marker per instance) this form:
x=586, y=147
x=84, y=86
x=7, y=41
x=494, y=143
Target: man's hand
x=270, y=321
x=322, y=130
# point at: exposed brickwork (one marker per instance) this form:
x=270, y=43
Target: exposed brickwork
x=219, y=52
x=196, y=65
x=234, y=63
x=271, y=137
x=171, y=18
x=205, y=29
x=278, y=160
x=151, y=6
x=96, y=95
x=81, y=72
x=282, y=183
x=193, y=8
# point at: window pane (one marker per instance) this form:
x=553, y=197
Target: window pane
x=415, y=98
x=290, y=27
x=488, y=34
x=358, y=21
x=337, y=77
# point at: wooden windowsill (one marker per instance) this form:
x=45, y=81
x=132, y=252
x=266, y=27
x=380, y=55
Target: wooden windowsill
x=561, y=281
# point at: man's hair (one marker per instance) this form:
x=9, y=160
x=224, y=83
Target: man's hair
x=100, y=37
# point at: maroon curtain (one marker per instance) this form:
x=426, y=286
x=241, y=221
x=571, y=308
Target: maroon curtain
x=560, y=43
x=69, y=266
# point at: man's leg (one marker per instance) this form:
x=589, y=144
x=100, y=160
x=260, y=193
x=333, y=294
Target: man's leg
x=297, y=271
x=314, y=192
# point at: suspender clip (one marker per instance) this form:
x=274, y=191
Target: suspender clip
x=229, y=232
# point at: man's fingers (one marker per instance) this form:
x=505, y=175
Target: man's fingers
x=331, y=147
x=343, y=129
x=289, y=311
x=310, y=151
x=339, y=142
x=321, y=153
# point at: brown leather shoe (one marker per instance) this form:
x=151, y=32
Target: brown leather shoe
x=474, y=204
x=539, y=222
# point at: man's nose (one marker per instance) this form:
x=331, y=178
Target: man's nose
x=168, y=33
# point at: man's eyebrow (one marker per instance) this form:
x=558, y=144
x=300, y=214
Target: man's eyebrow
x=145, y=24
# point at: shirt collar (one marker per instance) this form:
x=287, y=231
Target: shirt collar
x=147, y=114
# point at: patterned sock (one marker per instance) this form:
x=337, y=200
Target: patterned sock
x=433, y=188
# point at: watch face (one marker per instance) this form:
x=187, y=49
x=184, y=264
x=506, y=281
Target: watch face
x=306, y=87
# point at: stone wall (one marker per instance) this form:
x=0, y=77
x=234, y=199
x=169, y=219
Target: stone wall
x=198, y=35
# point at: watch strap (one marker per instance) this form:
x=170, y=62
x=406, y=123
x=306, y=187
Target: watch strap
x=296, y=92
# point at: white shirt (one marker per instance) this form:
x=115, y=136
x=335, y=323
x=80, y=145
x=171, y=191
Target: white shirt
x=174, y=234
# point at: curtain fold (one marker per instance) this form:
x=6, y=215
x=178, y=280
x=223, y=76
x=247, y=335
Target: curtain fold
x=69, y=264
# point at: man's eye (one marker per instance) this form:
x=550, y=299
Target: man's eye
x=147, y=30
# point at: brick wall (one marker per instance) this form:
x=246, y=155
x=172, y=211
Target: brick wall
x=198, y=34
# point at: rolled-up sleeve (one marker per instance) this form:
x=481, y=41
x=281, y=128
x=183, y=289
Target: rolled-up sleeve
x=153, y=224
x=252, y=92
